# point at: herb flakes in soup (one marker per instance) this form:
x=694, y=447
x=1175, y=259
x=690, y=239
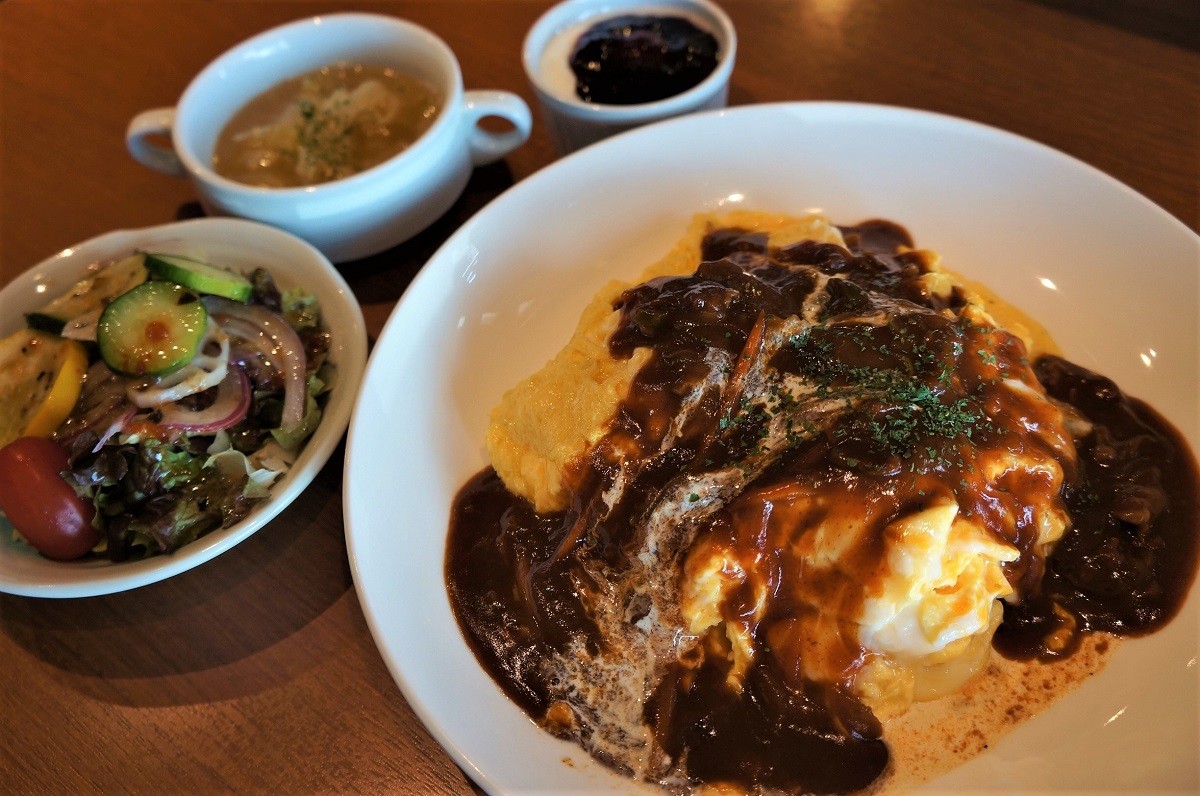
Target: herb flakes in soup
x=325, y=125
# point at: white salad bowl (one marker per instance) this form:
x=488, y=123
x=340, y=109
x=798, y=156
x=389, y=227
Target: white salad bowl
x=234, y=243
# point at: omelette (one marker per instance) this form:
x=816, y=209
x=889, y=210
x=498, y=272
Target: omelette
x=922, y=607
x=778, y=492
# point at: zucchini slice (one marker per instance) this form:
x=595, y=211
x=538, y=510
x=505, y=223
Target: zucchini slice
x=199, y=276
x=152, y=330
x=94, y=291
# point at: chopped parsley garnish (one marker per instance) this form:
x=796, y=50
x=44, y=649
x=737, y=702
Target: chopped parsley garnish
x=905, y=404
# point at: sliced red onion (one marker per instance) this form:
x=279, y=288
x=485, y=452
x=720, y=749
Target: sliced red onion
x=273, y=336
x=114, y=427
x=230, y=406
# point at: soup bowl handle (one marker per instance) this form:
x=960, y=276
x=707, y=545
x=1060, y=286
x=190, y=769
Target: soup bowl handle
x=139, y=140
x=486, y=146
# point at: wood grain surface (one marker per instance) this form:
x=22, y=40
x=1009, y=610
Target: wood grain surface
x=256, y=672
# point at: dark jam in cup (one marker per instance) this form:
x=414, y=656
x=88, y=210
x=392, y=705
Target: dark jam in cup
x=632, y=59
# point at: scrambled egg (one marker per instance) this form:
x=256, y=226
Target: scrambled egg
x=544, y=425
x=911, y=620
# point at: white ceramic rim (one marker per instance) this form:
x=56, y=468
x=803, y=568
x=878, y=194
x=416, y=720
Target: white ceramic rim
x=446, y=117
x=572, y=12
x=349, y=341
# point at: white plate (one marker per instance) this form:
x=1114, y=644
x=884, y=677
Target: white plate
x=1112, y=276
x=238, y=244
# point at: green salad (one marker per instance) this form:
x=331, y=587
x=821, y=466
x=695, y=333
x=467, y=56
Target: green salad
x=157, y=400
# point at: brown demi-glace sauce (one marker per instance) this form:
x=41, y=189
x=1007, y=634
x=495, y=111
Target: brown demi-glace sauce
x=1124, y=566
x=1127, y=563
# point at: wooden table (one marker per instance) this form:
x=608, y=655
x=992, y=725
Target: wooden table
x=256, y=671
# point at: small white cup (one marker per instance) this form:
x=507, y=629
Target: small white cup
x=573, y=123
x=362, y=214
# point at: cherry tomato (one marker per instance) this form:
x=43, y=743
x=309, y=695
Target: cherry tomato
x=40, y=504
